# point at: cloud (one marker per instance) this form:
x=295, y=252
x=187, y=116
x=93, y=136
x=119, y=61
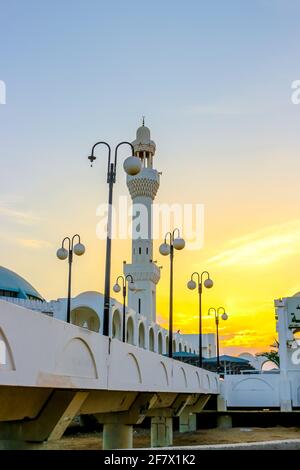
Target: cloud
x=263, y=247
x=245, y=338
x=25, y=242
x=161, y=320
x=32, y=243
x=19, y=216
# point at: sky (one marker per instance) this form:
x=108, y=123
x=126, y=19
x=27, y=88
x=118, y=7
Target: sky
x=213, y=79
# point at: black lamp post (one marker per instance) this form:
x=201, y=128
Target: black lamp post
x=117, y=288
x=132, y=166
x=166, y=249
x=208, y=283
x=224, y=317
x=62, y=254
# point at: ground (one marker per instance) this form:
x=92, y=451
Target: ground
x=93, y=441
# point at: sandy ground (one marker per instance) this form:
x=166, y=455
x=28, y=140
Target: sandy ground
x=203, y=436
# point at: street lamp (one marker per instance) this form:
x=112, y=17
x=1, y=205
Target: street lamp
x=62, y=254
x=208, y=283
x=166, y=249
x=132, y=166
x=224, y=317
x=117, y=288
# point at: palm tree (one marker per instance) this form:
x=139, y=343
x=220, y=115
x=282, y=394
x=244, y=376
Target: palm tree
x=273, y=355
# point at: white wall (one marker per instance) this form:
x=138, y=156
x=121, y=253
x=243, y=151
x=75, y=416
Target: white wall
x=45, y=352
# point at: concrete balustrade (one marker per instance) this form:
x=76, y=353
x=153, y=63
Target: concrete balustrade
x=52, y=371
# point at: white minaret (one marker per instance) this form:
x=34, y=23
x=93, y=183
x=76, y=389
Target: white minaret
x=143, y=188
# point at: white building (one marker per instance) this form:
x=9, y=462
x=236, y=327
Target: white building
x=87, y=308
x=270, y=389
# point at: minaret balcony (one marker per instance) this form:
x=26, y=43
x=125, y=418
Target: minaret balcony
x=146, y=183
x=143, y=272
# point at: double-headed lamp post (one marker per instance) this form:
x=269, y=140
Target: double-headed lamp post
x=125, y=279
x=132, y=166
x=166, y=249
x=208, y=283
x=64, y=253
x=224, y=316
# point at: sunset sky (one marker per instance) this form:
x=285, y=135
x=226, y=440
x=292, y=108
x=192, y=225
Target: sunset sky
x=213, y=79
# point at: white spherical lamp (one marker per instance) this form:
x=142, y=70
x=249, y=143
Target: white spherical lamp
x=132, y=166
x=191, y=285
x=224, y=316
x=179, y=243
x=116, y=288
x=208, y=283
x=62, y=253
x=131, y=286
x=164, y=249
x=79, y=249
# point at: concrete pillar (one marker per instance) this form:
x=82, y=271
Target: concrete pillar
x=187, y=422
x=224, y=421
x=221, y=403
x=285, y=392
x=161, y=431
x=117, y=436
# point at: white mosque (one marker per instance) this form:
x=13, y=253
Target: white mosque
x=87, y=308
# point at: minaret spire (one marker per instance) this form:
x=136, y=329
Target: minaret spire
x=143, y=188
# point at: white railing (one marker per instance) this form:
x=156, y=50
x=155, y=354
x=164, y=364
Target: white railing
x=37, y=305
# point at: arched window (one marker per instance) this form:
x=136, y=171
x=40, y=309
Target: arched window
x=2, y=353
x=151, y=339
x=116, y=325
x=141, y=335
x=130, y=331
x=85, y=317
x=160, y=343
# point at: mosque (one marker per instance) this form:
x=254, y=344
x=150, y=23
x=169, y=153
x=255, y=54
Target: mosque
x=87, y=308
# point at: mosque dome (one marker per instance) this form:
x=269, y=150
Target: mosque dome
x=13, y=285
x=143, y=135
x=143, y=145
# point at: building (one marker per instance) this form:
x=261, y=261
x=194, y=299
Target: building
x=270, y=389
x=14, y=286
x=87, y=308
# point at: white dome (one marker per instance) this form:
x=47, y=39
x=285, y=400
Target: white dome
x=143, y=135
x=143, y=142
x=13, y=285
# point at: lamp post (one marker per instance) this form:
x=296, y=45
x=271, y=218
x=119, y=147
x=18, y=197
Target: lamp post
x=224, y=317
x=208, y=283
x=62, y=254
x=166, y=249
x=132, y=166
x=117, y=288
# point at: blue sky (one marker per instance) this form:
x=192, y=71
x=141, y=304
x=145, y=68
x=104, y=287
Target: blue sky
x=213, y=79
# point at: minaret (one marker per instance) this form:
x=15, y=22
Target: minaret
x=143, y=188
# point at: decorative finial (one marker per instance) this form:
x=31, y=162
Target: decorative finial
x=143, y=121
